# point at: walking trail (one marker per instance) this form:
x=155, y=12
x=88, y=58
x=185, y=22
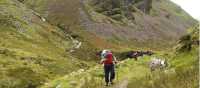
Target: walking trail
x=122, y=84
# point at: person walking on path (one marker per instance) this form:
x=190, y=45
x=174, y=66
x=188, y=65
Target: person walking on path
x=109, y=67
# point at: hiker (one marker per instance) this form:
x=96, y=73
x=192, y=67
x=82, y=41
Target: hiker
x=109, y=67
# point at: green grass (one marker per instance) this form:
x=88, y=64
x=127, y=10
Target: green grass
x=31, y=51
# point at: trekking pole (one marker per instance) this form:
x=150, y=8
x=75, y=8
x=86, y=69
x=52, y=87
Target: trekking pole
x=102, y=79
x=117, y=67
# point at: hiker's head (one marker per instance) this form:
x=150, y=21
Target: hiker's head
x=105, y=51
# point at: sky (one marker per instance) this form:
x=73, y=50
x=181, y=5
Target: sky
x=190, y=6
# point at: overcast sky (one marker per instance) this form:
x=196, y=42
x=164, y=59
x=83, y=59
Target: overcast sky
x=190, y=6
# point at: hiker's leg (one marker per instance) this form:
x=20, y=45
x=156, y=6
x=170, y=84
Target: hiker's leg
x=112, y=73
x=106, y=71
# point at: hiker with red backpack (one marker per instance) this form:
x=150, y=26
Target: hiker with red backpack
x=109, y=62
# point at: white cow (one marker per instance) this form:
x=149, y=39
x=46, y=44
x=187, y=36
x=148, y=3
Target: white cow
x=156, y=63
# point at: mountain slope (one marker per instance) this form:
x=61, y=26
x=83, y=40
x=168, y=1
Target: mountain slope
x=31, y=50
x=162, y=26
x=125, y=26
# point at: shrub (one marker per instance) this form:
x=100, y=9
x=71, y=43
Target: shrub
x=117, y=17
x=116, y=11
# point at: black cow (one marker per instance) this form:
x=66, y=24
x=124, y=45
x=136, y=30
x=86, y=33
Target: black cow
x=136, y=54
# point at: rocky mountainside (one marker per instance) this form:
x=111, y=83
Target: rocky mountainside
x=141, y=23
x=135, y=23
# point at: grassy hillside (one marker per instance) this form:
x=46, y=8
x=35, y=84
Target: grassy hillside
x=56, y=11
x=31, y=50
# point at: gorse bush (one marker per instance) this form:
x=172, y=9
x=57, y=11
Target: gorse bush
x=117, y=17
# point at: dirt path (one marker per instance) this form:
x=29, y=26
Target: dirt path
x=122, y=84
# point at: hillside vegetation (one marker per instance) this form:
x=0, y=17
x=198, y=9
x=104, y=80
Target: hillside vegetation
x=31, y=51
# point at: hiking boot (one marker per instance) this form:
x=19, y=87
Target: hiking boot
x=112, y=83
x=106, y=84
